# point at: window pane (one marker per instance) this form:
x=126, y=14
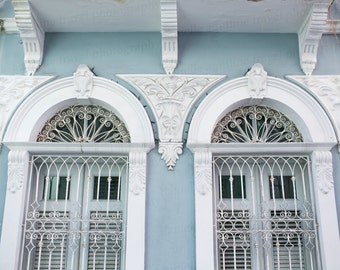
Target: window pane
x=235, y=183
x=55, y=188
x=287, y=191
x=106, y=186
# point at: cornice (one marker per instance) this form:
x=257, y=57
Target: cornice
x=169, y=35
x=326, y=90
x=310, y=35
x=171, y=98
x=31, y=33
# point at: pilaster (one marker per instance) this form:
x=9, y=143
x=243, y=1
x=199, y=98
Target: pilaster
x=14, y=209
x=325, y=199
x=135, y=242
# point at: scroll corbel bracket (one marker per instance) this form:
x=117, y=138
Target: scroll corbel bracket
x=169, y=35
x=31, y=33
x=310, y=35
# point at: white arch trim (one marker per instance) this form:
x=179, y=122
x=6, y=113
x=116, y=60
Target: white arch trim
x=43, y=103
x=319, y=137
x=284, y=96
x=20, y=136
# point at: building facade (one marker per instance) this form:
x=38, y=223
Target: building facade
x=169, y=149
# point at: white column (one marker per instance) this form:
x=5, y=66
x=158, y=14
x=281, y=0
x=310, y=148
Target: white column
x=205, y=258
x=10, y=246
x=135, y=239
x=326, y=210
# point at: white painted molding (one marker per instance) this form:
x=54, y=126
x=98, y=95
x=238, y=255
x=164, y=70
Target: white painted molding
x=326, y=89
x=170, y=152
x=12, y=91
x=257, y=81
x=310, y=35
x=83, y=82
x=137, y=172
x=31, y=33
x=295, y=102
x=203, y=173
x=171, y=98
x=16, y=165
x=44, y=102
x=324, y=171
x=169, y=35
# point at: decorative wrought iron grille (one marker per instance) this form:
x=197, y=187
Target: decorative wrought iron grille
x=264, y=213
x=255, y=124
x=84, y=123
x=76, y=213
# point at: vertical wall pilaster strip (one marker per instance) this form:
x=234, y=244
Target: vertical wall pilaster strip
x=204, y=211
x=135, y=242
x=14, y=209
x=325, y=199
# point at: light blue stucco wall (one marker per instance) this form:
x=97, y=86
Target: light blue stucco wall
x=170, y=220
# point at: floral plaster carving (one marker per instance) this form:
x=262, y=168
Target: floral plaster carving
x=83, y=82
x=137, y=171
x=257, y=81
x=324, y=171
x=170, y=153
x=16, y=166
x=327, y=90
x=171, y=98
x=203, y=173
x=12, y=90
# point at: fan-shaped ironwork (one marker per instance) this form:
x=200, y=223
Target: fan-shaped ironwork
x=255, y=124
x=84, y=123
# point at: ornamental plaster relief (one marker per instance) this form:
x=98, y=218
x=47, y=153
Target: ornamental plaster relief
x=327, y=90
x=257, y=81
x=310, y=35
x=12, y=91
x=16, y=164
x=324, y=171
x=203, y=173
x=31, y=33
x=137, y=172
x=171, y=98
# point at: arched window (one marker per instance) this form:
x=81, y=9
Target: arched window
x=263, y=179
x=264, y=217
x=76, y=215
x=254, y=124
x=84, y=123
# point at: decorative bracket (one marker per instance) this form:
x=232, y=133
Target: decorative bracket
x=171, y=98
x=31, y=33
x=169, y=35
x=310, y=35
